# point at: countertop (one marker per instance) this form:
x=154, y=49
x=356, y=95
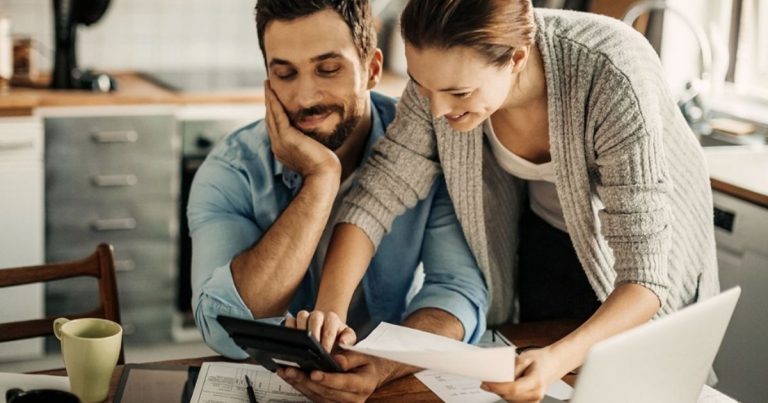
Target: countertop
x=738, y=171
x=741, y=172
x=135, y=90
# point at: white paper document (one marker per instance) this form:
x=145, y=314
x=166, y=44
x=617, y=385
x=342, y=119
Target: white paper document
x=28, y=381
x=224, y=382
x=430, y=351
x=459, y=389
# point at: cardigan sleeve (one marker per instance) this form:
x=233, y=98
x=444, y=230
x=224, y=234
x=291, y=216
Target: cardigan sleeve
x=633, y=182
x=399, y=172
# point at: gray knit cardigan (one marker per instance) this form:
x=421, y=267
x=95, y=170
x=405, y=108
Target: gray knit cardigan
x=630, y=174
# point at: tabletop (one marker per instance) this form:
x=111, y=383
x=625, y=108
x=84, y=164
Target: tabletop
x=522, y=335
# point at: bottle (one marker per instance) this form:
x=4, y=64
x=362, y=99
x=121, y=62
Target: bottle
x=6, y=51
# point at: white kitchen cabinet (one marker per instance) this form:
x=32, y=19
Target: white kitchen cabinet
x=742, y=254
x=21, y=225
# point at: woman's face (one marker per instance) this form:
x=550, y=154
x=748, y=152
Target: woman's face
x=459, y=83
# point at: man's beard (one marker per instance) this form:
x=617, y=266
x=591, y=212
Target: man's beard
x=340, y=133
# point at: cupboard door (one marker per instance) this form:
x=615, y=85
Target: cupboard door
x=21, y=244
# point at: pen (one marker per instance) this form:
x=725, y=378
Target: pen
x=249, y=389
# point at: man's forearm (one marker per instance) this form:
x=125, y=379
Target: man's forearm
x=267, y=275
x=432, y=320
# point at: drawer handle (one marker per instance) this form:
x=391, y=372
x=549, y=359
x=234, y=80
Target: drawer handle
x=114, y=180
x=125, y=265
x=16, y=145
x=116, y=136
x=114, y=224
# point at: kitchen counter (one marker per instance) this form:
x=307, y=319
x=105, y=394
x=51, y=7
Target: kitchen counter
x=741, y=172
x=133, y=90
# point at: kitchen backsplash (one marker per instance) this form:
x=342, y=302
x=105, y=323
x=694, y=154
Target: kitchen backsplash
x=150, y=34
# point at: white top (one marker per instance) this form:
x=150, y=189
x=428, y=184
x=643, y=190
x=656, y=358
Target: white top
x=540, y=177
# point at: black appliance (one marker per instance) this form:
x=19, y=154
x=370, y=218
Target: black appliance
x=67, y=15
x=198, y=138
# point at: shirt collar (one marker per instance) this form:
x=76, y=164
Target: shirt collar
x=293, y=180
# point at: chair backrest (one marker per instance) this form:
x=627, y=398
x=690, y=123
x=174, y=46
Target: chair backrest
x=99, y=264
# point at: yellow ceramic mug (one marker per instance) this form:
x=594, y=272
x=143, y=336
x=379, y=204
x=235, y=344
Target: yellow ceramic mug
x=90, y=348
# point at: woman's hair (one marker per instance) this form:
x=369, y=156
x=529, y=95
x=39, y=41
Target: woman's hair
x=493, y=28
x=355, y=13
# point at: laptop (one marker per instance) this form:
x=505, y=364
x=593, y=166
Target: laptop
x=663, y=361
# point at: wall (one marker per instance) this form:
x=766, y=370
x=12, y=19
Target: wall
x=151, y=34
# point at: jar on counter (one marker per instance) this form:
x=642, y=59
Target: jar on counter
x=25, y=68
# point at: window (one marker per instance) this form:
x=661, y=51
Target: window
x=750, y=66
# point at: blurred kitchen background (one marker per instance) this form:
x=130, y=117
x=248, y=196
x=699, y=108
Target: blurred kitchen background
x=150, y=34
x=160, y=81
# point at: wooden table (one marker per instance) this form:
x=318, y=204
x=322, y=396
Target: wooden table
x=522, y=335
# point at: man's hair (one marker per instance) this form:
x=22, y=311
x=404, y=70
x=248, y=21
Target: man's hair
x=355, y=13
x=494, y=28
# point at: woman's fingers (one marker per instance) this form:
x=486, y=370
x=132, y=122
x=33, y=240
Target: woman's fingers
x=327, y=328
x=317, y=327
x=347, y=336
x=302, y=318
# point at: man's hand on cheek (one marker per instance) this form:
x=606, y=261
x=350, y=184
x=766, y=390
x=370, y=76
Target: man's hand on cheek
x=363, y=374
x=292, y=147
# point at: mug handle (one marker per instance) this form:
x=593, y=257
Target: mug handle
x=57, y=326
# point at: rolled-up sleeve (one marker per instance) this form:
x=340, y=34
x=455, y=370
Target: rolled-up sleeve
x=218, y=296
x=452, y=279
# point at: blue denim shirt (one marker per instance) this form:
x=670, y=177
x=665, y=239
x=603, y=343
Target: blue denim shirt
x=241, y=189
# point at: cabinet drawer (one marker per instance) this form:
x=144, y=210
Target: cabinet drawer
x=89, y=223
x=144, y=276
x=148, y=322
x=153, y=257
x=79, y=295
x=144, y=270
x=87, y=139
x=128, y=180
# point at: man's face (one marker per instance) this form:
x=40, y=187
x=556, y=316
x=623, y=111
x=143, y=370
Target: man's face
x=315, y=70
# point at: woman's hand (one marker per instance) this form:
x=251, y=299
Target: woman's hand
x=326, y=327
x=535, y=370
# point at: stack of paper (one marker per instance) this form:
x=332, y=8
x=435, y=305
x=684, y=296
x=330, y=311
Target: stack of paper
x=224, y=382
x=430, y=351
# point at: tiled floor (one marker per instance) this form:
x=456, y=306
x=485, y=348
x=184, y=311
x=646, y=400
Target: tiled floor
x=132, y=354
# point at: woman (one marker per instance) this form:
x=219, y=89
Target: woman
x=555, y=128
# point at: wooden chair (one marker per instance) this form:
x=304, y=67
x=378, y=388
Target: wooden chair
x=100, y=264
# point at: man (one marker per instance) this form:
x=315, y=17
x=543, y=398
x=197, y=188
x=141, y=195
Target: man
x=262, y=204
